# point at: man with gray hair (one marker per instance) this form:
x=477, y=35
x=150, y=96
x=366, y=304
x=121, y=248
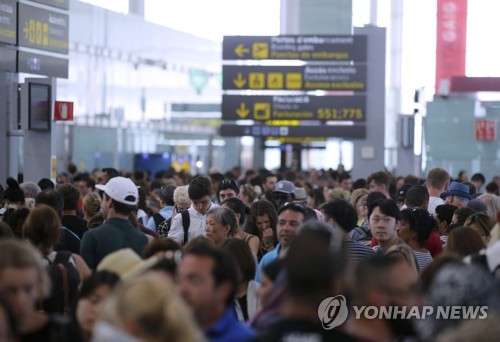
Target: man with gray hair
x=457, y=195
x=30, y=190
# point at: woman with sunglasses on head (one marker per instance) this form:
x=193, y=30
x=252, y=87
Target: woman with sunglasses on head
x=248, y=193
x=482, y=224
x=415, y=227
x=242, y=211
x=262, y=223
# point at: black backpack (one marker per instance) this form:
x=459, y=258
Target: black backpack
x=158, y=221
x=164, y=227
x=65, y=280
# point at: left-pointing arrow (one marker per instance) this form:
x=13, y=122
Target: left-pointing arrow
x=239, y=81
x=240, y=50
x=242, y=111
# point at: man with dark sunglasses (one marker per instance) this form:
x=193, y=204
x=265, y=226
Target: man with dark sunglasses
x=284, y=192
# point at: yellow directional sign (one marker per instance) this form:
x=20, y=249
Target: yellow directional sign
x=257, y=80
x=42, y=29
x=262, y=111
x=242, y=111
x=241, y=50
x=275, y=80
x=304, y=77
x=240, y=82
x=293, y=80
x=260, y=50
x=303, y=47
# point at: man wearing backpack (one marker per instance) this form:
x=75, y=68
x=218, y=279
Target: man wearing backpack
x=119, y=200
x=200, y=193
x=167, y=205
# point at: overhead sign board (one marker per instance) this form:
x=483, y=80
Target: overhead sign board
x=307, y=48
x=297, y=107
x=306, y=77
x=8, y=21
x=8, y=59
x=42, y=29
x=63, y=4
x=33, y=63
x=348, y=132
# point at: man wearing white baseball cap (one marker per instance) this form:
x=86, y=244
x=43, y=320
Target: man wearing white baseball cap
x=119, y=200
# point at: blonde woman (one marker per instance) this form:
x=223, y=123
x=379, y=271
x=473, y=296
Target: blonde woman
x=146, y=309
x=92, y=210
x=492, y=205
x=23, y=283
x=358, y=201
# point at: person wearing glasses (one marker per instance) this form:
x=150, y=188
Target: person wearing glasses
x=290, y=218
x=284, y=192
x=228, y=188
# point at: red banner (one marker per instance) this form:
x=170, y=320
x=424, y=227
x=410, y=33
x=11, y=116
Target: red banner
x=486, y=130
x=450, y=42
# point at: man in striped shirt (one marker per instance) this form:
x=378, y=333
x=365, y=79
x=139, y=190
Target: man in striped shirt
x=342, y=217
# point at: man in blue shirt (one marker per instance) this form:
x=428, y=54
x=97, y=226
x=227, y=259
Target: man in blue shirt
x=290, y=218
x=207, y=280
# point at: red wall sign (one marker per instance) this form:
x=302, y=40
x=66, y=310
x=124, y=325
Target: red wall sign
x=63, y=111
x=451, y=40
x=486, y=130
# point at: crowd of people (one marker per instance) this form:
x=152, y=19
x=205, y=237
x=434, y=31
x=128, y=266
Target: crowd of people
x=110, y=256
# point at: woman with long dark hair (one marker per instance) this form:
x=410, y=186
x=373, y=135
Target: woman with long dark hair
x=264, y=220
